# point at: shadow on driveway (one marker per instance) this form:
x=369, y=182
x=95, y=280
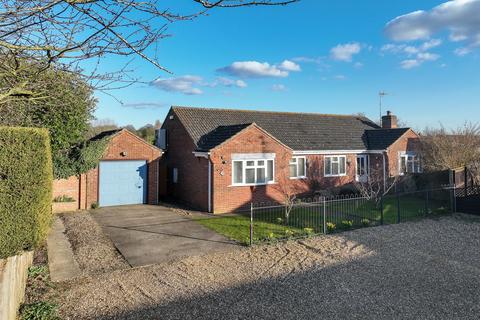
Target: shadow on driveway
x=147, y=234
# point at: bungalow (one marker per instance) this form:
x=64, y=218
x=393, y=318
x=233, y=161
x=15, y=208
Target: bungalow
x=221, y=160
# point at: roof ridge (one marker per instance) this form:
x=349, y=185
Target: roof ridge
x=274, y=112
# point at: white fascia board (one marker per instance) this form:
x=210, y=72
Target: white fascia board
x=314, y=152
x=205, y=155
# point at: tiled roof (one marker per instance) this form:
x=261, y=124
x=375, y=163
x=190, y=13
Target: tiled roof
x=381, y=139
x=300, y=131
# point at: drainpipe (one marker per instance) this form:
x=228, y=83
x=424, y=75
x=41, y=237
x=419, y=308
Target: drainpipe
x=158, y=181
x=209, y=184
x=384, y=173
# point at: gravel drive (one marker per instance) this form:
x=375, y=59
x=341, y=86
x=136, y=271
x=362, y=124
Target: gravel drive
x=423, y=270
x=94, y=252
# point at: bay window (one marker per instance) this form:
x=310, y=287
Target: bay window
x=409, y=163
x=298, y=167
x=335, y=166
x=252, y=171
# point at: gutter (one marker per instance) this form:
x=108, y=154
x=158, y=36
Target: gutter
x=313, y=152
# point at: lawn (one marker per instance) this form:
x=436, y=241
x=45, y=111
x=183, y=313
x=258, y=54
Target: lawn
x=306, y=219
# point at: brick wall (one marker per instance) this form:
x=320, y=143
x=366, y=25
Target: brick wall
x=192, y=185
x=87, y=186
x=66, y=187
x=228, y=198
x=408, y=142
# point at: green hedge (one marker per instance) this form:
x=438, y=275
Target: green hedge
x=25, y=188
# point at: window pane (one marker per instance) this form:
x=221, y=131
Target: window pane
x=249, y=175
x=237, y=172
x=334, y=167
x=403, y=165
x=250, y=163
x=270, y=170
x=260, y=163
x=342, y=165
x=260, y=175
x=301, y=167
x=328, y=166
x=293, y=170
x=293, y=161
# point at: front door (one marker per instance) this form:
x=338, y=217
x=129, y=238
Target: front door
x=362, y=168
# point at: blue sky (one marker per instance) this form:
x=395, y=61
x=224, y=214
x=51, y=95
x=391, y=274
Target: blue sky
x=316, y=56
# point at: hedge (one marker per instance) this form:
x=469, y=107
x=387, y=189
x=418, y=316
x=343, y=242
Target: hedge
x=25, y=189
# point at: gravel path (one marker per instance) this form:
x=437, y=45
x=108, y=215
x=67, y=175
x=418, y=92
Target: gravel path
x=94, y=252
x=423, y=270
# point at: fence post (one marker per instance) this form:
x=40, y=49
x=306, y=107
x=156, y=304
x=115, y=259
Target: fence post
x=465, y=182
x=426, y=202
x=381, y=210
x=251, y=223
x=454, y=204
x=398, y=207
x=324, y=216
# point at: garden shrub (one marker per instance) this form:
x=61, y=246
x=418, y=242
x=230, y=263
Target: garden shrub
x=25, y=188
x=331, y=226
x=365, y=222
x=347, y=224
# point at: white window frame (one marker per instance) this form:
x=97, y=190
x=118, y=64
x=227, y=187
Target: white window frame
x=255, y=167
x=296, y=163
x=408, y=155
x=325, y=166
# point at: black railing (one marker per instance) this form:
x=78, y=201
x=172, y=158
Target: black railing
x=306, y=217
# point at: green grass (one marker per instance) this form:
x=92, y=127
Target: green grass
x=271, y=224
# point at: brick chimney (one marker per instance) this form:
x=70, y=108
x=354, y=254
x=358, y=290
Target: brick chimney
x=389, y=121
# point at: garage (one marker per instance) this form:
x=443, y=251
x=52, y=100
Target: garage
x=126, y=174
x=122, y=182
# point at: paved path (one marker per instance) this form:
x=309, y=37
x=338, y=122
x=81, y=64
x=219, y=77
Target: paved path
x=61, y=262
x=153, y=234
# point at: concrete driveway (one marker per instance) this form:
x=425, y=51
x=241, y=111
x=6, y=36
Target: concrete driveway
x=146, y=234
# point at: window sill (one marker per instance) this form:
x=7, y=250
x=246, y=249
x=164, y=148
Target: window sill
x=298, y=178
x=252, y=184
x=335, y=175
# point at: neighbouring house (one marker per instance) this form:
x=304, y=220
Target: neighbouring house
x=221, y=160
x=127, y=174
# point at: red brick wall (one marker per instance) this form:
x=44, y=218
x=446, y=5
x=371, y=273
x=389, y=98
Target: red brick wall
x=69, y=187
x=192, y=185
x=228, y=198
x=408, y=142
x=136, y=149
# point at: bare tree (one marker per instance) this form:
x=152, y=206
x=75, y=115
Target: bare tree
x=448, y=149
x=376, y=186
x=68, y=32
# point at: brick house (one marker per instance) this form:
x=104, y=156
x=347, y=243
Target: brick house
x=127, y=174
x=221, y=160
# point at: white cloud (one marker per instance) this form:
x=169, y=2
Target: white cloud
x=414, y=56
x=288, y=65
x=409, y=49
x=358, y=65
x=459, y=17
x=410, y=63
x=187, y=84
x=433, y=43
x=144, y=105
x=340, y=77
x=345, y=52
x=427, y=56
x=254, y=69
x=279, y=87
x=462, y=51
x=227, y=82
